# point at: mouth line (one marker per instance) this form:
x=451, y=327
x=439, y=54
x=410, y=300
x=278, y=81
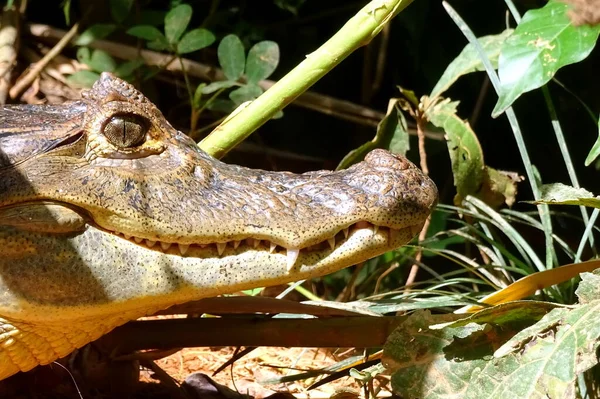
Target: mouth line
x=252, y=244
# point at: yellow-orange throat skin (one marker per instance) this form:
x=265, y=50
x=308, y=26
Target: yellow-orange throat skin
x=107, y=213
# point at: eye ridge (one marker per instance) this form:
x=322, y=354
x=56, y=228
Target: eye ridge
x=126, y=130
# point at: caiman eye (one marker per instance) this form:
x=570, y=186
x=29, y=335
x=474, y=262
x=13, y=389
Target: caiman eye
x=126, y=131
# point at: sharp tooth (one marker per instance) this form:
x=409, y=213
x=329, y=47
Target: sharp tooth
x=165, y=245
x=150, y=243
x=375, y=229
x=346, y=231
x=183, y=248
x=221, y=247
x=292, y=257
x=272, y=247
x=138, y=239
x=256, y=243
x=236, y=244
x=331, y=242
x=127, y=236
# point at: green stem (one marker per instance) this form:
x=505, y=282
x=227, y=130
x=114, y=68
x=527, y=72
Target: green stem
x=357, y=32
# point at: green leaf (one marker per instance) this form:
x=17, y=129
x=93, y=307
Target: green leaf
x=595, y=151
x=146, y=32
x=95, y=32
x=83, y=78
x=231, y=57
x=245, y=93
x=262, y=60
x=222, y=84
x=83, y=55
x=119, y=9
x=561, y=194
x=222, y=105
x=198, y=95
x=589, y=288
x=471, y=175
x=101, y=61
x=126, y=69
x=544, y=41
x=468, y=61
x=194, y=40
x=66, y=7
x=177, y=21
x=392, y=134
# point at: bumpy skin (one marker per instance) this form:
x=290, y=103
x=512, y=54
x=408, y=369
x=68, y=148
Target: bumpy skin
x=94, y=234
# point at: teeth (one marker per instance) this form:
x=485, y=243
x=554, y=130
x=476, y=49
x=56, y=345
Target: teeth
x=331, y=242
x=292, y=257
x=256, y=243
x=346, y=231
x=236, y=244
x=221, y=247
x=375, y=229
x=138, y=239
x=150, y=243
x=272, y=247
x=127, y=236
x=183, y=248
x=165, y=245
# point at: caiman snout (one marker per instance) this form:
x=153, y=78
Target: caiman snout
x=107, y=213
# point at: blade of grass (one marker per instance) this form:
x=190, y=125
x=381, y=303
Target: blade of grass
x=512, y=118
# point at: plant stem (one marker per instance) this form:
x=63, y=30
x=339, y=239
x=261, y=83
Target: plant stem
x=357, y=32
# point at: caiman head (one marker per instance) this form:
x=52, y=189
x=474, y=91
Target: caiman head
x=107, y=213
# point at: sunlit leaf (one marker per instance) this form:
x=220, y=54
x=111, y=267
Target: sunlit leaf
x=146, y=32
x=177, y=21
x=101, y=61
x=95, y=32
x=231, y=57
x=543, y=42
x=561, y=194
x=262, y=60
x=195, y=40
x=83, y=78
x=468, y=61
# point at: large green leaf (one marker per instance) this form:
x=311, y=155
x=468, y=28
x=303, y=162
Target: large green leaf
x=262, y=60
x=544, y=41
x=195, y=40
x=468, y=61
x=471, y=175
x=176, y=22
x=231, y=57
x=535, y=358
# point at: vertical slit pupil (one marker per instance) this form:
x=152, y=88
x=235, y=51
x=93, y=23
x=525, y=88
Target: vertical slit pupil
x=126, y=131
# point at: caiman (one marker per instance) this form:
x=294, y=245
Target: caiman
x=108, y=213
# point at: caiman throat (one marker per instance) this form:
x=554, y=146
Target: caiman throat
x=107, y=214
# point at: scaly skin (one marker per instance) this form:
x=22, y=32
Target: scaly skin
x=105, y=220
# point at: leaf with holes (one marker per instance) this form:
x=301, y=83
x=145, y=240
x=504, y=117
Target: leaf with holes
x=544, y=42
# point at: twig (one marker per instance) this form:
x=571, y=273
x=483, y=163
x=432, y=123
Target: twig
x=23, y=83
